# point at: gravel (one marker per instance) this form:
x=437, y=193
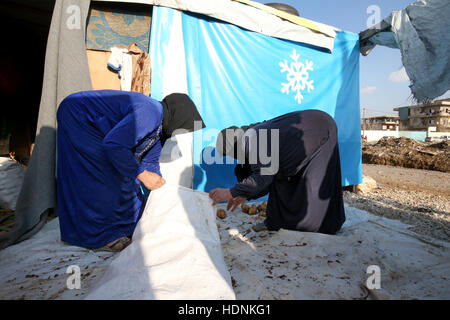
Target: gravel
x=420, y=198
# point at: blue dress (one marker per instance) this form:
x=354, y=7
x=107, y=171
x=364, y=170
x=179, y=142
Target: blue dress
x=105, y=139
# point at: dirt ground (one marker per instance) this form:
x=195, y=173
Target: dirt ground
x=408, y=153
x=417, y=197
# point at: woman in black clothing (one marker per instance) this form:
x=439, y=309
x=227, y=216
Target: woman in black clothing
x=305, y=190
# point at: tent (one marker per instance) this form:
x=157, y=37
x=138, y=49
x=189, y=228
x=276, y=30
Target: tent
x=237, y=61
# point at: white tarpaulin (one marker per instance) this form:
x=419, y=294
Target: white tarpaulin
x=301, y=265
x=175, y=253
x=37, y=268
x=265, y=265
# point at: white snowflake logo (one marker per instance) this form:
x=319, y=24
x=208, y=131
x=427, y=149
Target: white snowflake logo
x=297, y=76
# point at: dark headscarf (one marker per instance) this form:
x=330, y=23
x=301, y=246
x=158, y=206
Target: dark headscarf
x=227, y=145
x=179, y=112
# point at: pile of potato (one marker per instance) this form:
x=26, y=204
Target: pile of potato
x=250, y=210
x=253, y=209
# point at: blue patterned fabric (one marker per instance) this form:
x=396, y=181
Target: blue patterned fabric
x=107, y=28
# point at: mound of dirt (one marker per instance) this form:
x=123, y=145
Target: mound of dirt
x=408, y=153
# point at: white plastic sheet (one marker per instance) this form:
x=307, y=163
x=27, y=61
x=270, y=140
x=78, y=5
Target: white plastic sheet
x=302, y=265
x=295, y=265
x=175, y=253
x=37, y=268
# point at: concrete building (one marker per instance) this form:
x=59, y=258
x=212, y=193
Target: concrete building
x=388, y=123
x=435, y=114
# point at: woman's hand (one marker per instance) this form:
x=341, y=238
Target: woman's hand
x=151, y=180
x=219, y=195
x=235, y=202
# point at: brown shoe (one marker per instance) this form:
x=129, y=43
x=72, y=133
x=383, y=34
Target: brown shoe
x=116, y=246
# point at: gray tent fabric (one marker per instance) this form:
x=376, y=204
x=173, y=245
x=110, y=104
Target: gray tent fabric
x=422, y=33
x=66, y=71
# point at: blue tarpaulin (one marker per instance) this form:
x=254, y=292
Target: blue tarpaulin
x=237, y=77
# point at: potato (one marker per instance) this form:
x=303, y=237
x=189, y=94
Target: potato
x=252, y=210
x=221, y=214
x=262, y=206
x=244, y=208
x=262, y=213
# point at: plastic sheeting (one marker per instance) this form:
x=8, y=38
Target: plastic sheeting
x=287, y=265
x=39, y=268
x=167, y=53
x=175, y=253
x=252, y=19
x=421, y=32
x=11, y=178
x=265, y=265
x=169, y=76
x=237, y=77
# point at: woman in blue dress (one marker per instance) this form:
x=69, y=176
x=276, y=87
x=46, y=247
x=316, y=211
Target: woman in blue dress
x=108, y=143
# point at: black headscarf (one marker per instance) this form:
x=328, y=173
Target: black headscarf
x=227, y=145
x=179, y=112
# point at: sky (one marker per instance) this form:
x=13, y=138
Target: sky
x=383, y=83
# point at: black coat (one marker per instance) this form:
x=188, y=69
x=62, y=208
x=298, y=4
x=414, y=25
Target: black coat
x=305, y=193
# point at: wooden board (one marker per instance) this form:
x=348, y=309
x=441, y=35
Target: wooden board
x=101, y=76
